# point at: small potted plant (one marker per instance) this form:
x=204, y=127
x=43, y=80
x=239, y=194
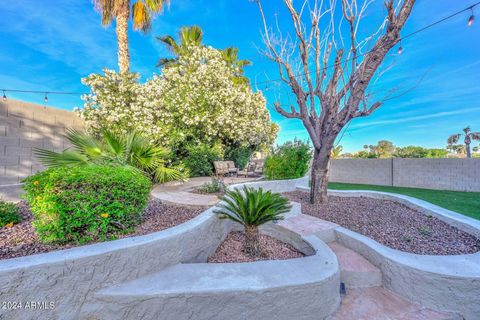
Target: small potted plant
x=251, y=208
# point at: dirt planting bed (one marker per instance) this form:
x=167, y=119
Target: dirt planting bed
x=392, y=224
x=232, y=250
x=21, y=239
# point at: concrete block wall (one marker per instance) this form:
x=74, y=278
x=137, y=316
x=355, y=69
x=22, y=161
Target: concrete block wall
x=442, y=174
x=362, y=171
x=24, y=126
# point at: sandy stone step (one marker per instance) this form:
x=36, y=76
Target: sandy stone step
x=355, y=270
x=377, y=303
x=304, y=225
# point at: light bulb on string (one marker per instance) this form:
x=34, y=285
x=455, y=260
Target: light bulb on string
x=400, y=49
x=4, y=97
x=46, y=98
x=471, y=20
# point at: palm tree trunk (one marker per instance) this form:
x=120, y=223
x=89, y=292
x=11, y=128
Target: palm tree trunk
x=252, y=242
x=122, y=37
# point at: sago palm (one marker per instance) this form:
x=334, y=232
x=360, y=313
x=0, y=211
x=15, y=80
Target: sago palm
x=468, y=137
x=131, y=149
x=141, y=13
x=251, y=208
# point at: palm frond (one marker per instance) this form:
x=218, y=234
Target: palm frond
x=84, y=144
x=66, y=158
x=141, y=17
x=170, y=43
x=163, y=174
x=156, y=6
x=251, y=207
x=107, y=9
x=475, y=135
x=453, y=139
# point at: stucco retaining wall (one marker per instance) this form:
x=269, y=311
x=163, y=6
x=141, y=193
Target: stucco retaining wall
x=442, y=174
x=302, y=288
x=444, y=283
x=69, y=278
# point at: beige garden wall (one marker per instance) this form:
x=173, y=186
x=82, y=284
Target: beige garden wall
x=26, y=125
x=443, y=174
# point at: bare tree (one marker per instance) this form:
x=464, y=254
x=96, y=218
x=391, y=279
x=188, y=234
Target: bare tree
x=329, y=74
x=469, y=136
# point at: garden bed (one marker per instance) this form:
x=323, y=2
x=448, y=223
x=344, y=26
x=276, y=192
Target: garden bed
x=200, y=190
x=392, y=224
x=21, y=239
x=231, y=250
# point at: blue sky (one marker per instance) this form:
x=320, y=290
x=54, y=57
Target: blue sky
x=51, y=47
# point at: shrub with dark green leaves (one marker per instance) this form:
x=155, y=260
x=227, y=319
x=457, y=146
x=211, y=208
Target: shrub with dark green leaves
x=200, y=157
x=86, y=203
x=288, y=161
x=9, y=214
x=215, y=186
x=240, y=155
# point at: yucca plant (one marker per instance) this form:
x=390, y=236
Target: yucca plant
x=251, y=208
x=131, y=149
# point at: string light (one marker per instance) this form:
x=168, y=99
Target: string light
x=4, y=96
x=46, y=98
x=471, y=20
x=400, y=49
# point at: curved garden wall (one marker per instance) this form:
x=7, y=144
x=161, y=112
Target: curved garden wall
x=68, y=278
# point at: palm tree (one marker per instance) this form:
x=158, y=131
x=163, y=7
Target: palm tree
x=230, y=55
x=252, y=208
x=131, y=149
x=141, y=11
x=193, y=36
x=189, y=36
x=469, y=136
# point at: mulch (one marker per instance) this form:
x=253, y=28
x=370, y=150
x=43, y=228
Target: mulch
x=232, y=250
x=21, y=239
x=392, y=224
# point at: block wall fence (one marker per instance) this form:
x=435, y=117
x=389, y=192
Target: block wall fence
x=24, y=126
x=442, y=174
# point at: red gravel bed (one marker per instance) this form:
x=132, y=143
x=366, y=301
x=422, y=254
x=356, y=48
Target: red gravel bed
x=392, y=224
x=231, y=250
x=21, y=239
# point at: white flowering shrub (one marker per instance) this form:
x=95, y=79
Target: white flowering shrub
x=194, y=100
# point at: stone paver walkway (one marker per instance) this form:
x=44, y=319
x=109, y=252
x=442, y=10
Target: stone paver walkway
x=377, y=303
x=179, y=193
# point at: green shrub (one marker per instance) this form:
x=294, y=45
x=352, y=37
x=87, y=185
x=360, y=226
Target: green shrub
x=86, y=203
x=239, y=155
x=200, y=157
x=288, y=161
x=251, y=208
x=9, y=214
x=214, y=186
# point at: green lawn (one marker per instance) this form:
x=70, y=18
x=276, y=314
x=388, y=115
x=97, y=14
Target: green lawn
x=467, y=203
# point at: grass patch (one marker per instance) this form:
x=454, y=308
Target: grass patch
x=467, y=203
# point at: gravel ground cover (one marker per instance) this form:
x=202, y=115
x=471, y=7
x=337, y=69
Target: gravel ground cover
x=392, y=224
x=21, y=239
x=231, y=250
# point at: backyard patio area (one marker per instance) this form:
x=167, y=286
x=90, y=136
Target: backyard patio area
x=325, y=165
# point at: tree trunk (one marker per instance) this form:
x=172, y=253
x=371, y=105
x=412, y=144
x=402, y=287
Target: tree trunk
x=122, y=38
x=319, y=173
x=252, y=243
x=467, y=146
